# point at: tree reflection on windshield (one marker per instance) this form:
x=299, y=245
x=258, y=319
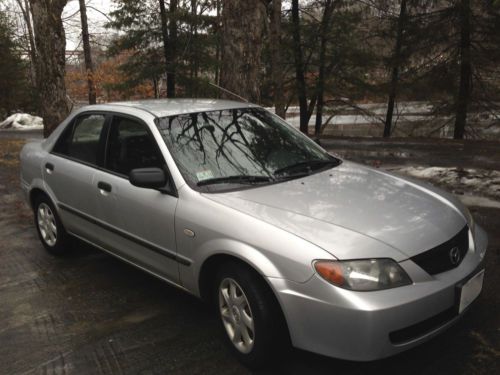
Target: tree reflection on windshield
x=248, y=141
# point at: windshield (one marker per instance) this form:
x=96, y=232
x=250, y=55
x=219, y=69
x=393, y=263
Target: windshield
x=248, y=146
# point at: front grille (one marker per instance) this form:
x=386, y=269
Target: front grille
x=440, y=258
x=420, y=329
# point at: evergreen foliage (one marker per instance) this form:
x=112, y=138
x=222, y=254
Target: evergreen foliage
x=15, y=93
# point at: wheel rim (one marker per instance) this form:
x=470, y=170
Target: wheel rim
x=47, y=224
x=236, y=315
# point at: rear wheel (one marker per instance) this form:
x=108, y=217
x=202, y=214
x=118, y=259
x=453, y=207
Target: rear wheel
x=250, y=315
x=49, y=227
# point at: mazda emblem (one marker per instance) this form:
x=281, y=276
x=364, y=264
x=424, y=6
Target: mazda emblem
x=455, y=255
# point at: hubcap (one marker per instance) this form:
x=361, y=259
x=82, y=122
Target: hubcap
x=47, y=224
x=236, y=315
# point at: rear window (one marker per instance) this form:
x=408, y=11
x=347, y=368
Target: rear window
x=81, y=140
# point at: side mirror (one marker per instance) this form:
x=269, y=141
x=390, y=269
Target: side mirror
x=149, y=178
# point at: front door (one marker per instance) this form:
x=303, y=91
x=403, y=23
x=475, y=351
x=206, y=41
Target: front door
x=141, y=221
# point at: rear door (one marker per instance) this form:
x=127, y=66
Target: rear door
x=69, y=170
x=141, y=221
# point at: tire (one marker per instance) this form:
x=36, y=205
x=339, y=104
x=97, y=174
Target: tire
x=50, y=230
x=252, y=305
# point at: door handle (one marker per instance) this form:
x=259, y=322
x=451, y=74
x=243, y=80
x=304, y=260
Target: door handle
x=49, y=167
x=104, y=186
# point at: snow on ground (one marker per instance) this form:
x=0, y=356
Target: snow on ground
x=379, y=108
x=410, y=119
x=473, y=200
x=474, y=187
x=352, y=119
x=22, y=121
x=408, y=111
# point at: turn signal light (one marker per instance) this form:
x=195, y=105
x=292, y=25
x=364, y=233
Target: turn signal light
x=330, y=271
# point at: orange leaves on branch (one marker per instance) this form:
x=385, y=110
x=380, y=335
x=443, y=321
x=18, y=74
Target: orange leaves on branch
x=108, y=80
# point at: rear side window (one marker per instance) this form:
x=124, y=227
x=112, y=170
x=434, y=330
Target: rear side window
x=131, y=146
x=81, y=141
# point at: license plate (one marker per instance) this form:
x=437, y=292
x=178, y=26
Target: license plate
x=470, y=290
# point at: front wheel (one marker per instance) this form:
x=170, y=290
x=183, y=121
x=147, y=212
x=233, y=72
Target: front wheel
x=49, y=227
x=250, y=316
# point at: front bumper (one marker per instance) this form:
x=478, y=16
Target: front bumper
x=364, y=326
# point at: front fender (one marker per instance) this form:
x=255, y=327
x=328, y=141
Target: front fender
x=227, y=247
x=237, y=249
x=221, y=230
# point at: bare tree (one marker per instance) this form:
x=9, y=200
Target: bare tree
x=194, y=65
x=218, y=5
x=299, y=67
x=276, y=61
x=87, y=53
x=465, y=70
x=50, y=41
x=25, y=9
x=320, y=87
x=172, y=40
x=243, y=24
x=169, y=36
x=396, y=63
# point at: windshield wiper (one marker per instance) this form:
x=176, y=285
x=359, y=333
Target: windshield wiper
x=308, y=164
x=238, y=179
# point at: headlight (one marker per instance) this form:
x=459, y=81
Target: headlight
x=363, y=274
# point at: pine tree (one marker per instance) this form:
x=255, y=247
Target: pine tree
x=173, y=40
x=14, y=94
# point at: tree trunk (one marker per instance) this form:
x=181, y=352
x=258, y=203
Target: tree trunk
x=155, y=87
x=299, y=67
x=396, y=62
x=320, y=89
x=25, y=9
x=276, y=64
x=465, y=70
x=87, y=53
x=169, y=36
x=50, y=41
x=194, y=66
x=172, y=40
x=164, y=32
x=243, y=24
x=217, y=44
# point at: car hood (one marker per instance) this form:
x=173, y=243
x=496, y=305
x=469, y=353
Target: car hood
x=354, y=211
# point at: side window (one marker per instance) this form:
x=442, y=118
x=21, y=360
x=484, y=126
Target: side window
x=81, y=141
x=131, y=146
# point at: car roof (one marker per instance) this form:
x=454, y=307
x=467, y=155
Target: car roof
x=170, y=107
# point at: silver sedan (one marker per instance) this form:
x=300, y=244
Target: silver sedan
x=289, y=243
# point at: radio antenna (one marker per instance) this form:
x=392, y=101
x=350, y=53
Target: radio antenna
x=228, y=92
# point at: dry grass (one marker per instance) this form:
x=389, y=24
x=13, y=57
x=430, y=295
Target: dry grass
x=9, y=151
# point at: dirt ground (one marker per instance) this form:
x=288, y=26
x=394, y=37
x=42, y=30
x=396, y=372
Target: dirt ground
x=89, y=313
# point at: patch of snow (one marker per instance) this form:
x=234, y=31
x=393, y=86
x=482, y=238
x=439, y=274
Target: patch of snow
x=482, y=182
x=337, y=120
x=407, y=114
x=22, y=121
x=378, y=108
x=472, y=200
x=492, y=130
